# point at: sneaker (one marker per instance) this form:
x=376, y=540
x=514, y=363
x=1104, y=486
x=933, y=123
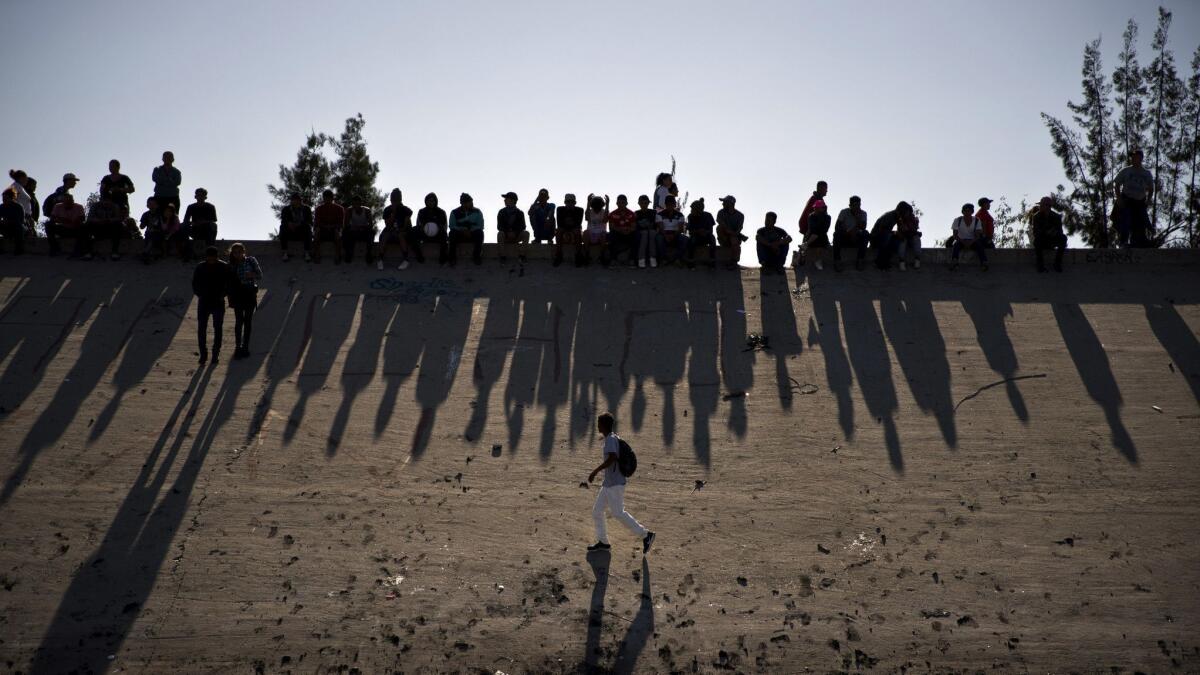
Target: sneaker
x=903, y=266
x=646, y=541
x=654, y=262
x=599, y=546
x=818, y=265
x=286, y=257
x=642, y=264
x=917, y=264
x=403, y=265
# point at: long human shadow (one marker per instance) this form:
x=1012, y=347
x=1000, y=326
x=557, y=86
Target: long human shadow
x=655, y=354
x=704, y=379
x=106, y=337
x=497, y=339
x=149, y=337
x=988, y=315
x=554, y=379
x=326, y=327
x=35, y=322
x=779, y=326
x=1177, y=338
x=640, y=629
x=449, y=325
x=737, y=365
x=599, y=562
x=401, y=354
x=596, y=373
x=912, y=328
x=361, y=362
x=1092, y=363
x=872, y=365
x=825, y=330
x=531, y=347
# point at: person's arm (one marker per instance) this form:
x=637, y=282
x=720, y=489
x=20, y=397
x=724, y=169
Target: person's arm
x=213, y=208
x=129, y=189
x=187, y=216
x=196, y=281
x=176, y=177
x=609, y=460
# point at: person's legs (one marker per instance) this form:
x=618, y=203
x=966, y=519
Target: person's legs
x=238, y=326
x=839, y=241
x=477, y=246
x=203, y=311
x=956, y=250
x=861, y=240
x=115, y=233
x=1060, y=246
x=598, y=515
x=349, y=239
x=1038, y=246
x=981, y=251
x=218, y=319
x=616, y=506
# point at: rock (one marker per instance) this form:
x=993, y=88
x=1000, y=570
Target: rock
x=742, y=581
x=822, y=549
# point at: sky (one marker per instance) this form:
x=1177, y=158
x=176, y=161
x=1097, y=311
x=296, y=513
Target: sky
x=935, y=102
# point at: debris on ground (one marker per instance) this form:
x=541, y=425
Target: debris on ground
x=699, y=484
x=1157, y=408
x=757, y=342
x=805, y=388
x=496, y=449
x=732, y=395
x=997, y=384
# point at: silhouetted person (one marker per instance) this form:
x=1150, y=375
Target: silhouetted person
x=211, y=283
x=69, y=181
x=569, y=219
x=296, y=224
x=663, y=185
x=105, y=220
x=850, y=231
x=967, y=232
x=984, y=214
x=12, y=222
x=818, y=194
x=20, y=194
x=398, y=230
x=1046, y=231
x=360, y=225
x=35, y=210
x=908, y=240
x=596, y=236
x=510, y=228
x=167, y=180
x=817, y=239
x=67, y=220
x=431, y=227
x=730, y=223
x=151, y=225
x=649, y=244
x=1134, y=186
x=466, y=226
x=116, y=186
x=881, y=234
x=328, y=220
x=772, y=244
x=243, y=297
x=611, y=497
x=622, y=223
x=671, y=227
x=701, y=228
x=176, y=237
x=541, y=217
x=200, y=220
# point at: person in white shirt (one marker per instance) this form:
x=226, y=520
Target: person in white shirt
x=662, y=190
x=671, y=224
x=596, y=236
x=20, y=180
x=850, y=230
x=612, y=491
x=968, y=234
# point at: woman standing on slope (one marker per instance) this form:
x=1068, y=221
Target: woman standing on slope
x=243, y=297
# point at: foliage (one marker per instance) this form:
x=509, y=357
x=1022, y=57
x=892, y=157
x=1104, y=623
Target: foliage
x=353, y=171
x=308, y=177
x=1012, y=224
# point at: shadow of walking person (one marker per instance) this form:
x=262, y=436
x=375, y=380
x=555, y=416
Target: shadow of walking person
x=640, y=630
x=599, y=561
x=1092, y=363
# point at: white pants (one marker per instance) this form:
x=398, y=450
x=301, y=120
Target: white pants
x=613, y=499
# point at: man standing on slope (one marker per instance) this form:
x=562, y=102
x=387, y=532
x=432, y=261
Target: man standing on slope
x=612, y=491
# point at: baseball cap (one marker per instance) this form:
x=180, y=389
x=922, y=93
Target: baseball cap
x=984, y=200
x=728, y=199
x=70, y=176
x=509, y=195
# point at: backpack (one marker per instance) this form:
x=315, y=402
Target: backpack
x=626, y=459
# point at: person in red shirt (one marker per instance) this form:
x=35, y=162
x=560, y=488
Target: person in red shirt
x=328, y=218
x=621, y=238
x=989, y=224
x=818, y=195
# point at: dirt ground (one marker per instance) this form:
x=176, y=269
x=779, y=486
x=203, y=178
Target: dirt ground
x=393, y=480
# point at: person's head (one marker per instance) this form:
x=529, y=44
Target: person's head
x=968, y=209
x=597, y=204
x=698, y=205
x=729, y=202
x=431, y=200
x=9, y=195
x=770, y=219
x=569, y=199
x=984, y=203
x=152, y=203
x=295, y=199
x=201, y=195
x=664, y=178
x=605, y=423
x=237, y=251
x=904, y=208
x=1045, y=204
x=168, y=158
x=543, y=195
x=68, y=199
x=70, y=180
x=644, y=202
x=169, y=211
x=669, y=203
x=211, y=254
x=855, y=202
x=510, y=198
x=622, y=201
x=114, y=166
x=396, y=196
x=30, y=184
x=18, y=177
x=327, y=196
x=1135, y=157
x=822, y=188
x=466, y=201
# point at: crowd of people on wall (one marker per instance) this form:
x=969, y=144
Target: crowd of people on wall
x=661, y=231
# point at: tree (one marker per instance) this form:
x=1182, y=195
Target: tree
x=308, y=177
x=1190, y=146
x=1130, y=87
x=353, y=171
x=1164, y=89
x=1012, y=230
x=1086, y=158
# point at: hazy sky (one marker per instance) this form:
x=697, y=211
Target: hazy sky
x=935, y=102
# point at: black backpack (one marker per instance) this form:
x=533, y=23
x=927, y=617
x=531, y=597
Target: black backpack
x=626, y=459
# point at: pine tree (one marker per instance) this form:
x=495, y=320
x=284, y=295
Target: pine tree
x=1165, y=95
x=1087, y=160
x=1190, y=145
x=308, y=177
x=353, y=171
x=1130, y=88
x=1011, y=224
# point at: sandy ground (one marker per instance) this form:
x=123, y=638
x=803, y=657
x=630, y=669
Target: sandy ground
x=393, y=480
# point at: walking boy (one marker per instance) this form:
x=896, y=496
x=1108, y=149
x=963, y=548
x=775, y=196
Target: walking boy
x=612, y=490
